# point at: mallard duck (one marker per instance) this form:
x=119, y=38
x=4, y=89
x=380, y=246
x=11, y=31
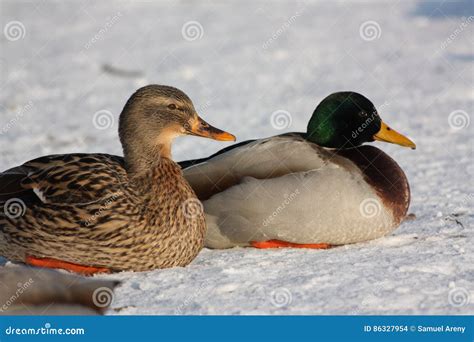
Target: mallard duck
x=315, y=189
x=98, y=213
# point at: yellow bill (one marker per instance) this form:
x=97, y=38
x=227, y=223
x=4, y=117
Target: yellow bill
x=389, y=135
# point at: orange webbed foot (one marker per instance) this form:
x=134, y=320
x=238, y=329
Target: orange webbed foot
x=64, y=265
x=285, y=244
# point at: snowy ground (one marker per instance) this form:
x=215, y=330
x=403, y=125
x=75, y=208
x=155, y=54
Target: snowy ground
x=246, y=60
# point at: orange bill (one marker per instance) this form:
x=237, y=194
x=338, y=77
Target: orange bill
x=201, y=128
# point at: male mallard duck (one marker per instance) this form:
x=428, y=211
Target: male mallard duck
x=312, y=189
x=96, y=212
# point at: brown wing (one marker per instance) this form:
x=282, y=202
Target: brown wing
x=67, y=178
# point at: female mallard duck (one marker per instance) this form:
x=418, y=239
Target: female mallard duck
x=312, y=189
x=96, y=212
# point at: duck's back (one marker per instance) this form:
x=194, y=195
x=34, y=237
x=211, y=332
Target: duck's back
x=64, y=178
x=86, y=209
x=61, y=204
x=288, y=189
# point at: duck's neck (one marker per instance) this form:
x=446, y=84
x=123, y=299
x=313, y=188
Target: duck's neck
x=160, y=179
x=143, y=149
x=139, y=161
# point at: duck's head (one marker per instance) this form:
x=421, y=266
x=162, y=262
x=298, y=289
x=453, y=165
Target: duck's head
x=156, y=114
x=348, y=119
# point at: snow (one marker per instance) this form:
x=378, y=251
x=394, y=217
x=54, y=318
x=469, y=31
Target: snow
x=245, y=61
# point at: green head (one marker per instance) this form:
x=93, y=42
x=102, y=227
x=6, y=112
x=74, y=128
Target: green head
x=347, y=119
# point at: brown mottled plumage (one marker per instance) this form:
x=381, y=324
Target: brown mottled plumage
x=98, y=210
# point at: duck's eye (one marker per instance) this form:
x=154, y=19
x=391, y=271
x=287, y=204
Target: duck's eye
x=363, y=114
x=172, y=106
x=187, y=126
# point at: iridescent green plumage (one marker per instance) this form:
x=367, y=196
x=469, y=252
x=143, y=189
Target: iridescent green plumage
x=343, y=120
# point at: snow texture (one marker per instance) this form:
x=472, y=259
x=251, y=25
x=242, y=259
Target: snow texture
x=67, y=69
